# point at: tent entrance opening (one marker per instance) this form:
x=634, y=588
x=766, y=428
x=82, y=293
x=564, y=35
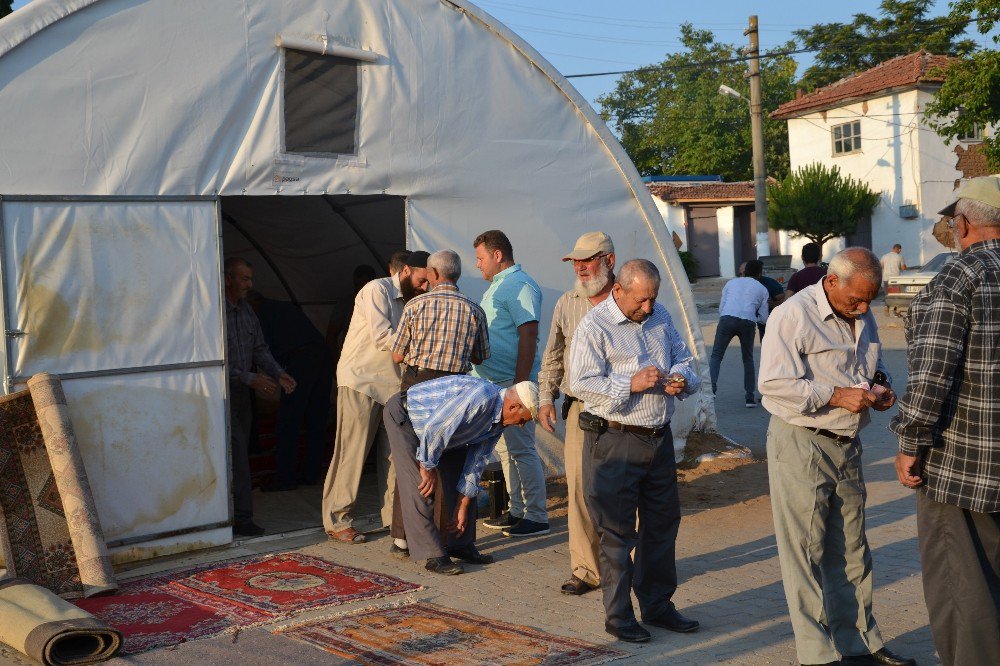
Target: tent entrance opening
x=304, y=251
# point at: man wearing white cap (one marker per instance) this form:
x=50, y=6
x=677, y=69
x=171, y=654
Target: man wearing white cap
x=451, y=424
x=593, y=259
x=947, y=426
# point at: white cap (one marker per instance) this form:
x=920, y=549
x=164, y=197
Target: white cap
x=528, y=394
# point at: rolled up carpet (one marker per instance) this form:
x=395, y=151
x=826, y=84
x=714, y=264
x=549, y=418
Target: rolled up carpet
x=51, y=630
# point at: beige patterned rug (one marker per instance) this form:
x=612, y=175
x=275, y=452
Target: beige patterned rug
x=49, y=531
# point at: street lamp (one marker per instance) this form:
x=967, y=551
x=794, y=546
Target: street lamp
x=759, y=173
x=729, y=92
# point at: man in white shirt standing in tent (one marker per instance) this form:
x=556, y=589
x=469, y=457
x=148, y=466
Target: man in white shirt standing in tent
x=366, y=378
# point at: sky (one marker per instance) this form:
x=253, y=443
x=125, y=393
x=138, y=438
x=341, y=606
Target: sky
x=582, y=36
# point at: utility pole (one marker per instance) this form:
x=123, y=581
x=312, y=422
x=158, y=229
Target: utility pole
x=757, y=132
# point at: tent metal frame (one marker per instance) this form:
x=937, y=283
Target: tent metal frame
x=10, y=379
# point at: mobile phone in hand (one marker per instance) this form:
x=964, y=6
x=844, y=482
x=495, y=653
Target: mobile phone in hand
x=880, y=384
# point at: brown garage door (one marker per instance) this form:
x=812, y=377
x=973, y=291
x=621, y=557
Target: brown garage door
x=703, y=239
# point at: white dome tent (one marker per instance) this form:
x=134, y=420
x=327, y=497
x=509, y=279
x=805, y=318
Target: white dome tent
x=144, y=140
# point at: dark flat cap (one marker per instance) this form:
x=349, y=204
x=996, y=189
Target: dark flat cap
x=417, y=259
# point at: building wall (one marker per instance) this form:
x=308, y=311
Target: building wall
x=728, y=240
x=901, y=158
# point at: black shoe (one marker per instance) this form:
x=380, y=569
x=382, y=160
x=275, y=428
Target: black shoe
x=247, y=528
x=401, y=553
x=750, y=403
x=276, y=487
x=673, y=621
x=504, y=521
x=444, y=566
x=471, y=555
x=526, y=528
x=630, y=633
x=884, y=656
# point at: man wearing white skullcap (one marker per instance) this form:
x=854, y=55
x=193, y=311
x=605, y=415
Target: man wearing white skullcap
x=450, y=424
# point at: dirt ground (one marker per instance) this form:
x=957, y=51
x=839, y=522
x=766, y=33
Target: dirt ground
x=732, y=477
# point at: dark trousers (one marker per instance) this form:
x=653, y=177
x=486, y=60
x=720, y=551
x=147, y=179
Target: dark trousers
x=309, y=405
x=960, y=562
x=624, y=473
x=240, y=401
x=745, y=330
x=411, y=377
x=423, y=537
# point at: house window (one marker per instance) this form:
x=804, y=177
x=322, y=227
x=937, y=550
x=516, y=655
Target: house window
x=847, y=138
x=321, y=103
x=976, y=134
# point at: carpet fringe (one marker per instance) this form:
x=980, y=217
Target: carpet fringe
x=298, y=620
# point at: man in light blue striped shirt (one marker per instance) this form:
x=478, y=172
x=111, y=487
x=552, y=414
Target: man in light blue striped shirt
x=450, y=424
x=627, y=364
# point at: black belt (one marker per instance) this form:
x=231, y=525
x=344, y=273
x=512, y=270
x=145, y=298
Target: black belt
x=658, y=431
x=840, y=439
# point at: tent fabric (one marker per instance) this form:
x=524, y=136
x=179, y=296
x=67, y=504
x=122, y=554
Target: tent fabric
x=98, y=286
x=461, y=125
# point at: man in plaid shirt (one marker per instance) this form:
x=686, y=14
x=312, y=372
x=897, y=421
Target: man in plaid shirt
x=949, y=432
x=442, y=332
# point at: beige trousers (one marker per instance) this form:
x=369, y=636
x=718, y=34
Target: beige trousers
x=359, y=426
x=583, y=538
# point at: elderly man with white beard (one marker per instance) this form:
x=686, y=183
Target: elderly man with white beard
x=593, y=259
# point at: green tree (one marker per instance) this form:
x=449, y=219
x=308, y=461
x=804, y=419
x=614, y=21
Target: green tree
x=818, y=203
x=970, y=96
x=671, y=119
x=902, y=27
x=5, y=8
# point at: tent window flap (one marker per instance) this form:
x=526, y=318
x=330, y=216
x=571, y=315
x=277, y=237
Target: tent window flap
x=321, y=103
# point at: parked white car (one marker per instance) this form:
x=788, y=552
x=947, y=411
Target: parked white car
x=902, y=288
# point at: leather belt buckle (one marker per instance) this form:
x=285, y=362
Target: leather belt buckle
x=840, y=439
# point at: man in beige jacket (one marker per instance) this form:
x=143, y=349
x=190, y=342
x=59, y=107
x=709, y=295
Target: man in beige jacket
x=593, y=260
x=366, y=378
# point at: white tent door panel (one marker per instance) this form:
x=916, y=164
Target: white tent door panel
x=155, y=449
x=98, y=286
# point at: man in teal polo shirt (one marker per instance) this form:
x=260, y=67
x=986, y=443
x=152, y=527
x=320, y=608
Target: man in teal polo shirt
x=513, y=306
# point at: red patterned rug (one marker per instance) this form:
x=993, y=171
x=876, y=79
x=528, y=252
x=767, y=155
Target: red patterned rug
x=207, y=601
x=422, y=634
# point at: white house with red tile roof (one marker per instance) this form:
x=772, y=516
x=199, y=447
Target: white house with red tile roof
x=871, y=125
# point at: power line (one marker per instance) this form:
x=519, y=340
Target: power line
x=638, y=24
x=771, y=54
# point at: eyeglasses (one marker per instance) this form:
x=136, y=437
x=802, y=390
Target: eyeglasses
x=951, y=222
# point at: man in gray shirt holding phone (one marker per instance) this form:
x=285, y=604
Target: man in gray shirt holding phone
x=818, y=361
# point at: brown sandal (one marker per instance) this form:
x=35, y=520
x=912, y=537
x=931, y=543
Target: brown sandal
x=348, y=535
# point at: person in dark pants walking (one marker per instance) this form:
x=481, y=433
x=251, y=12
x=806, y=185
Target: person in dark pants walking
x=743, y=304
x=299, y=347
x=948, y=425
x=627, y=363
x=450, y=424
